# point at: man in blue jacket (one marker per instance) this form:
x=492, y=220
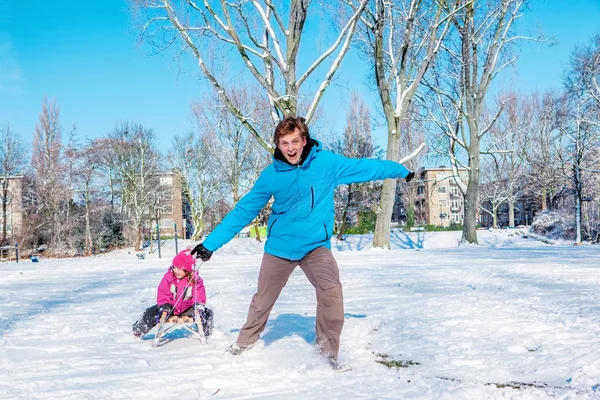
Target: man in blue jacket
x=302, y=180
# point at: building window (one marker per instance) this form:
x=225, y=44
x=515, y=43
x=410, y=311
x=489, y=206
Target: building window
x=443, y=203
x=166, y=180
x=442, y=189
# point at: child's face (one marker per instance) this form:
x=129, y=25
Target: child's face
x=179, y=272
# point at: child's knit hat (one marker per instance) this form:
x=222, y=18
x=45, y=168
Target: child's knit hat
x=184, y=260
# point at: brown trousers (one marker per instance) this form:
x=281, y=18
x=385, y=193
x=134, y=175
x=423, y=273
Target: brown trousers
x=321, y=269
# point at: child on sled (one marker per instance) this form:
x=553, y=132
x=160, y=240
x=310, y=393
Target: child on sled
x=179, y=293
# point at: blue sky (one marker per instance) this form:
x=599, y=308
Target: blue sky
x=84, y=55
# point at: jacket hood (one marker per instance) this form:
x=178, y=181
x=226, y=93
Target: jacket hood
x=308, y=153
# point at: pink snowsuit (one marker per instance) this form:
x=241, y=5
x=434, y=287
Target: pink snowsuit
x=170, y=289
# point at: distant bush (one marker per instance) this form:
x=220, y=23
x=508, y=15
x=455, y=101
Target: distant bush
x=436, y=228
x=366, y=223
x=554, y=225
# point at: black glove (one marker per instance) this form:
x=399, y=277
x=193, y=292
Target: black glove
x=165, y=308
x=410, y=175
x=201, y=252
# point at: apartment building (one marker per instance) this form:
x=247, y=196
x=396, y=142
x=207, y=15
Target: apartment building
x=169, y=207
x=439, y=200
x=14, y=211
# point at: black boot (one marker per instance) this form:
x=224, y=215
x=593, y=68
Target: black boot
x=146, y=322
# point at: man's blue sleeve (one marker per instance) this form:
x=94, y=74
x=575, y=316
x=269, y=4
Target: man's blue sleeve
x=356, y=170
x=242, y=214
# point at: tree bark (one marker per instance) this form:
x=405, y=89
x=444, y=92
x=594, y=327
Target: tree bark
x=4, y=210
x=470, y=219
x=511, y=213
x=381, y=237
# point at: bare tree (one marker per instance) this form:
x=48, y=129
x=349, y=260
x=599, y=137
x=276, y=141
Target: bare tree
x=493, y=188
x=543, y=149
x=135, y=163
x=580, y=127
x=237, y=155
x=580, y=133
x=86, y=163
x=50, y=196
x=200, y=177
x=267, y=47
x=479, y=49
x=401, y=38
x=12, y=163
x=507, y=144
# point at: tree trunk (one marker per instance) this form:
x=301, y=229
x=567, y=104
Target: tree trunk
x=138, y=240
x=381, y=238
x=544, y=200
x=198, y=226
x=578, y=202
x=257, y=231
x=340, y=235
x=4, y=210
x=88, y=231
x=470, y=222
x=511, y=213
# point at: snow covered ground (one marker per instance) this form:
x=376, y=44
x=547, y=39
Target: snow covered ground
x=513, y=318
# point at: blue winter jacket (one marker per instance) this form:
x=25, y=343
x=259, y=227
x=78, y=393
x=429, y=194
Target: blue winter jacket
x=302, y=212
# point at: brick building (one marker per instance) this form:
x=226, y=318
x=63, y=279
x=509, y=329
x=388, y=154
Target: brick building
x=14, y=211
x=439, y=200
x=169, y=207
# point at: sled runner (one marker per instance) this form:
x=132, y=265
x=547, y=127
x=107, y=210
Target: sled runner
x=167, y=324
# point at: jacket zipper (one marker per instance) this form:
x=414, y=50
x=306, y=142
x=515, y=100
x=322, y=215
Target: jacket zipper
x=312, y=197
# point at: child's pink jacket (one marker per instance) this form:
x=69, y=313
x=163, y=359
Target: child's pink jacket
x=170, y=291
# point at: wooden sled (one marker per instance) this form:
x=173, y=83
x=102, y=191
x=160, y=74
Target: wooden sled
x=192, y=324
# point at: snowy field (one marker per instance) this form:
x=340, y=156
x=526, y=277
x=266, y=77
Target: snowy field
x=513, y=318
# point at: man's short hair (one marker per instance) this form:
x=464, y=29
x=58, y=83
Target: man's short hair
x=288, y=125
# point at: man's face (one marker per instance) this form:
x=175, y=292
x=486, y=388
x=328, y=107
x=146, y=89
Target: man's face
x=291, y=146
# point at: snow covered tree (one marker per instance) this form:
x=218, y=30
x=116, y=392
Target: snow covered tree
x=135, y=163
x=262, y=38
x=401, y=40
x=507, y=144
x=200, y=176
x=579, y=126
x=478, y=49
x=543, y=149
x=48, y=195
x=88, y=184
x=237, y=154
x=493, y=188
x=580, y=133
